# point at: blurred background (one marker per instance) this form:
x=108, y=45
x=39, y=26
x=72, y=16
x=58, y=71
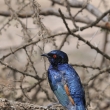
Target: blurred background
x=25, y=27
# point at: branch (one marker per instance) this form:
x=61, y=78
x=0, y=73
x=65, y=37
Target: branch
x=5, y=13
x=54, y=12
x=85, y=66
x=13, y=105
x=78, y=18
x=69, y=32
x=70, y=14
x=23, y=73
x=79, y=4
x=80, y=38
x=97, y=74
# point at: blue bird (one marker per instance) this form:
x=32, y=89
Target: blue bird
x=65, y=82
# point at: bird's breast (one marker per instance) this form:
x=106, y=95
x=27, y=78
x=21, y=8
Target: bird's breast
x=54, y=78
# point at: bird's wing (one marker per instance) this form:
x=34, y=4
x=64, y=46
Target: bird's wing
x=72, y=85
x=63, y=98
x=55, y=80
x=75, y=107
x=68, y=93
x=61, y=95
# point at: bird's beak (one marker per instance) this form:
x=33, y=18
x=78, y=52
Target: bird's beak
x=45, y=55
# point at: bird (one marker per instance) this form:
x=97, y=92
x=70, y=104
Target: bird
x=65, y=82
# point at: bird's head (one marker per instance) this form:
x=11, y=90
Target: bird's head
x=56, y=57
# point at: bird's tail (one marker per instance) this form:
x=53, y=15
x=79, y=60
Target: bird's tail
x=71, y=107
x=76, y=107
x=80, y=107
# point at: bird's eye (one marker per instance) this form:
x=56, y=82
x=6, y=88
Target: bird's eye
x=54, y=56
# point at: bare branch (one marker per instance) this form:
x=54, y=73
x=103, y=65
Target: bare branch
x=80, y=38
x=79, y=4
x=11, y=105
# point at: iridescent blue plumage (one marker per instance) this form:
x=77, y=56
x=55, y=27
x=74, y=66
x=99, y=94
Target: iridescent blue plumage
x=60, y=73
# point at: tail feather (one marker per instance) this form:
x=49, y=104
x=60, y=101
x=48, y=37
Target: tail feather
x=71, y=107
x=80, y=107
x=76, y=107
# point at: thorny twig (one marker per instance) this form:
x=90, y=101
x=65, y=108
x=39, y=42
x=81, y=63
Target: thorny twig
x=45, y=36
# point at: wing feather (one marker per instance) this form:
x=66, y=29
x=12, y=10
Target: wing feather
x=73, y=82
x=61, y=95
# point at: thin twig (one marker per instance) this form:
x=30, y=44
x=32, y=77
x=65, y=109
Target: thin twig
x=80, y=38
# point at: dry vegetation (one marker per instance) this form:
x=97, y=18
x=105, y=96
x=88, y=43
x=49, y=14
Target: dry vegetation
x=82, y=31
